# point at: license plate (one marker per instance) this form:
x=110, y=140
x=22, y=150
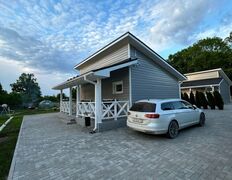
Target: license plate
x=138, y=120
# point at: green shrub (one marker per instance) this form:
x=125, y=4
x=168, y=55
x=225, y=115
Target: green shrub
x=186, y=97
x=218, y=100
x=198, y=103
x=203, y=100
x=182, y=96
x=210, y=100
x=192, y=98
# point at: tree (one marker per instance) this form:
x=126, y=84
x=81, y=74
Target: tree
x=192, y=98
x=210, y=100
x=3, y=95
x=12, y=99
x=182, y=96
x=186, y=97
x=203, y=101
x=205, y=54
x=74, y=93
x=218, y=100
x=229, y=39
x=198, y=103
x=27, y=87
x=58, y=96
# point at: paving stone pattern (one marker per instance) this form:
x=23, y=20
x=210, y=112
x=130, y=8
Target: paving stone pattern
x=48, y=148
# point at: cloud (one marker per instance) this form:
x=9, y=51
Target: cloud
x=174, y=21
x=34, y=53
x=52, y=36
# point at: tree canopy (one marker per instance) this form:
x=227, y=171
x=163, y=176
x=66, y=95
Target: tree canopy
x=205, y=54
x=27, y=86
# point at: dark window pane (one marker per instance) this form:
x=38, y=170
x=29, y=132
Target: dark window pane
x=143, y=107
x=167, y=106
x=119, y=88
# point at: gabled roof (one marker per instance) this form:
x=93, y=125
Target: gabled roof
x=219, y=70
x=141, y=46
x=202, y=82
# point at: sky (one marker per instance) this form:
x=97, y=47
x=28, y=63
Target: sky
x=48, y=37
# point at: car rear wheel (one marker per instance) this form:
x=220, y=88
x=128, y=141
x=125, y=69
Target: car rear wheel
x=173, y=130
x=202, y=119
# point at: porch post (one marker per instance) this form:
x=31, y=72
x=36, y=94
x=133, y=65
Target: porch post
x=61, y=99
x=98, y=102
x=78, y=98
x=70, y=101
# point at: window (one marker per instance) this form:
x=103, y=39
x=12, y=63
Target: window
x=143, y=107
x=117, y=87
x=179, y=105
x=167, y=106
x=187, y=105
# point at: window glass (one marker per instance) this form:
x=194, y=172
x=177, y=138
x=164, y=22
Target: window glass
x=143, y=107
x=187, y=105
x=179, y=105
x=167, y=106
x=117, y=87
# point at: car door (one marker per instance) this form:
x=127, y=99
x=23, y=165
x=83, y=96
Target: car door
x=182, y=114
x=192, y=114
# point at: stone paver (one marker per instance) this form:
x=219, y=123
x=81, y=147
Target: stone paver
x=50, y=149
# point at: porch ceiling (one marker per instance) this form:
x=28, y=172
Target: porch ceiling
x=93, y=75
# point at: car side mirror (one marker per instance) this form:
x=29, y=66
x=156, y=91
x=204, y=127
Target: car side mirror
x=194, y=106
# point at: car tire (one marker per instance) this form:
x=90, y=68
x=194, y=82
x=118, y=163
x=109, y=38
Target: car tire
x=173, y=130
x=202, y=119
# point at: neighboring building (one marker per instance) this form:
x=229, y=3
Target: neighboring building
x=210, y=80
x=110, y=80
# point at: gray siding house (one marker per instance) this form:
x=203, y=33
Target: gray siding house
x=113, y=78
x=209, y=80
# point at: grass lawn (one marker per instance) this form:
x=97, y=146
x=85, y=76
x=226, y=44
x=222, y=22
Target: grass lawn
x=9, y=136
x=3, y=119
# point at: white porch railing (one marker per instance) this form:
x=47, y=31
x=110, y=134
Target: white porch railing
x=110, y=109
x=114, y=109
x=86, y=109
x=64, y=106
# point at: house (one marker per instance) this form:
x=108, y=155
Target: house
x=113, y=78
x=210, y=80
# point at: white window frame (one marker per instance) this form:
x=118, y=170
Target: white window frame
x=114, y=85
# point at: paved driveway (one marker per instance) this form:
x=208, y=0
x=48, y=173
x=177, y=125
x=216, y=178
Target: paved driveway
x=50, y=149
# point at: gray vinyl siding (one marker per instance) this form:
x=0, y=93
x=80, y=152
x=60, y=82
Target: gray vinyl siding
x=118, y=75
x=116, y=55
x=148, y=80
x=87, y=90
x=225, y=91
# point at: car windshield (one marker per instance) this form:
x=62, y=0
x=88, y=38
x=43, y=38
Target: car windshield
x=143, y=107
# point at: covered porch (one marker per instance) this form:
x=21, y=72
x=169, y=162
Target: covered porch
x=95, y=102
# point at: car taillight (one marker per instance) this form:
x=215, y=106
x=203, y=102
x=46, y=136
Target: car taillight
x=152, y=115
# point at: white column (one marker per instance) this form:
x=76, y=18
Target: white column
x=98, y=102
x=78, y=98
x=70, y=101
x=61, y=99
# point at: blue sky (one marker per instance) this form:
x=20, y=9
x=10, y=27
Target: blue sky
x=49, y=37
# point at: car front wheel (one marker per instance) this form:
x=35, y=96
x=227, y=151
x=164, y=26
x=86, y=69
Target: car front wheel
x=202, y=119
x=173, y=130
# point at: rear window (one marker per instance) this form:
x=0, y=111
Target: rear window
x=143, y=107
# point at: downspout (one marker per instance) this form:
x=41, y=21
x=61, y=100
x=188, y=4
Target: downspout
x=95, y=122
x=180, y=89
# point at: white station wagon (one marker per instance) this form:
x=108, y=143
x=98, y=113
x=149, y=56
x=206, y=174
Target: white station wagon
x=165, y=116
